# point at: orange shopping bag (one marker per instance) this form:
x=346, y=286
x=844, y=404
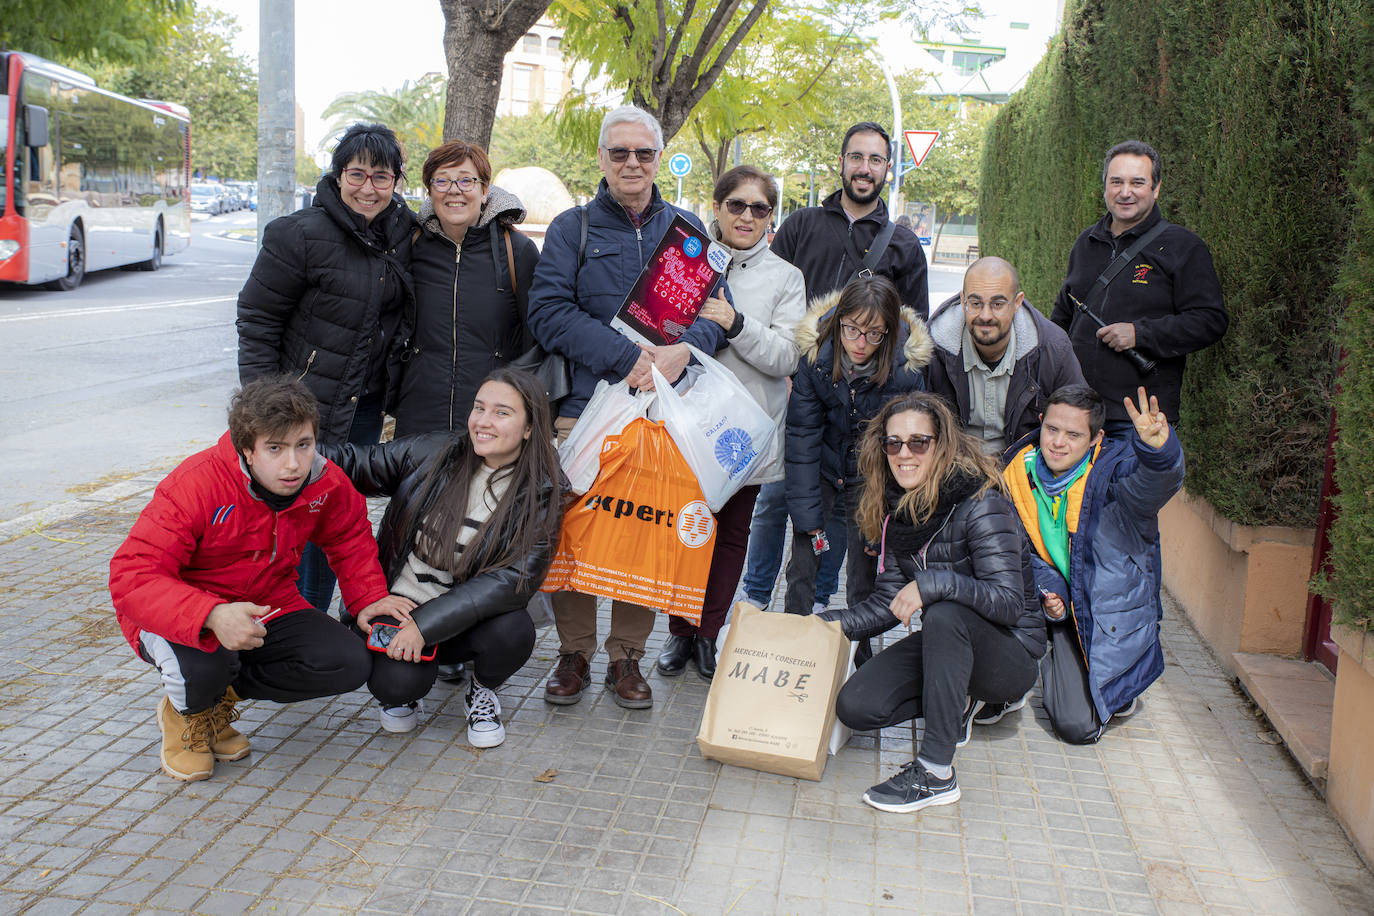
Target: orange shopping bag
x=642, y=533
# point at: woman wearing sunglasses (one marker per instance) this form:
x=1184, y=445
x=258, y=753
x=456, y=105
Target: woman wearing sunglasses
x=472, y=274
x=770, y=298
x=326, y=301
x=955, y=565
x=860, y=347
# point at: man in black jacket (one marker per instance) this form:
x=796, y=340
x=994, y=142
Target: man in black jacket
x=996, y=358
x=1165, y=303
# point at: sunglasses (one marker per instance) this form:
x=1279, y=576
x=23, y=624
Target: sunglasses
x=645, y=154
x=917, y=445
x=735, y=207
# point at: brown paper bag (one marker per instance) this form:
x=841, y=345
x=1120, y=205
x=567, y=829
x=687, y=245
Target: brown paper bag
x=772, y=701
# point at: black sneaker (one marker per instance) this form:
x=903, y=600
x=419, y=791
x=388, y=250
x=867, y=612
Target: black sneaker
x=966, y=722
x=452, y=674
x=913, y=788
x=993, y=712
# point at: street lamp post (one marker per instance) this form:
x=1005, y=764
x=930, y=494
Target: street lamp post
x=894, y=194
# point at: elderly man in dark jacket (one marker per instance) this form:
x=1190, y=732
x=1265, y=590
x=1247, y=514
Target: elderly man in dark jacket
x=997, y=359
x=578, y=288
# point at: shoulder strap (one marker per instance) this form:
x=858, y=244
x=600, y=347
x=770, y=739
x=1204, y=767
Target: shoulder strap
x=1120, y=261
x=582, y=243
x=510, y=263
x=868, y=263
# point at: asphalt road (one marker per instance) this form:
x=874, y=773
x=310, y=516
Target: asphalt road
x=128, y=373
x=132, y=371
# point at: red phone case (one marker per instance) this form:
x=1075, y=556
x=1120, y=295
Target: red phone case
x=427, y=655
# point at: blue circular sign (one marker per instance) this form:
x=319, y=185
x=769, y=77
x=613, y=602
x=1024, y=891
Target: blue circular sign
x=735, y=450
x=692, y=246
x=680, y=164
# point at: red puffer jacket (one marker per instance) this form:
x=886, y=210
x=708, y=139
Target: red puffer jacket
x=207, y=539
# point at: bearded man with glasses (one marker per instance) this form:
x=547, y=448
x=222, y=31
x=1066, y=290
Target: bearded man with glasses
x=591, y=258
x=327, y=302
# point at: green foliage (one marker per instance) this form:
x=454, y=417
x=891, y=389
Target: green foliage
x=1351, y=582
x=415, y=112
x=1247, y=103
x=532, y=139
x=80, y=33
x=197, y=68
x=949, y=176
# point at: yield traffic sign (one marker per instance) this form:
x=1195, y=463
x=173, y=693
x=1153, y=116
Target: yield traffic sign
x=920, y=142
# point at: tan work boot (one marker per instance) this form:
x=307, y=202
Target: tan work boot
x=186, y=751
x=228, y=743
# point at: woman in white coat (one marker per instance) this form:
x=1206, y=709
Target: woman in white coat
x=770, y=298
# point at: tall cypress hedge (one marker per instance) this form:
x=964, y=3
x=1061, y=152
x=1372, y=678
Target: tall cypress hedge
x=1248, y=103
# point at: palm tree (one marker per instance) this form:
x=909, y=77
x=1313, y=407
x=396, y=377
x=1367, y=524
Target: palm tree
x=415, y=112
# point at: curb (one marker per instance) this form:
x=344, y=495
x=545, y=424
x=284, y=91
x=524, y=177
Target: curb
x=105, y=496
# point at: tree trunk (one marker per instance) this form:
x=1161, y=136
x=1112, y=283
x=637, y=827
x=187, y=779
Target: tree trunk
x=477, y=35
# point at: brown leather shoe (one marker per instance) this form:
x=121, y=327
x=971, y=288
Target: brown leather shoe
x=571, y=676
x=631, y=690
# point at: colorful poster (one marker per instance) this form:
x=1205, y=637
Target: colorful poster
x=679, y=277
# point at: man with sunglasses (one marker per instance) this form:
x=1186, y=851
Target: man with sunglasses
x=590, y=260
x=828, y=243
x=995, y=360
x=1090, y=508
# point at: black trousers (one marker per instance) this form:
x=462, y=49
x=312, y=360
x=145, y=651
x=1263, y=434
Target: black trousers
x=498, y=647
x=860, y=569
x=306, y=654
x=957, y=653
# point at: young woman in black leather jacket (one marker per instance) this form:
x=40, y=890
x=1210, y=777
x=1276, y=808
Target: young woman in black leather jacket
x=468, y=536
x=954, y=565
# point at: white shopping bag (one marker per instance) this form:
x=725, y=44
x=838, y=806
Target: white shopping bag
x=720, y=429
x=608, y=412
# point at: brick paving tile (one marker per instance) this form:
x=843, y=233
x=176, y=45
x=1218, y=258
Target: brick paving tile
x=1183, y=808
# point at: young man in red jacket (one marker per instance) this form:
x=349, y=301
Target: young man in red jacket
x=205, y=585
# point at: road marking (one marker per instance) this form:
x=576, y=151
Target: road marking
x=115, y=309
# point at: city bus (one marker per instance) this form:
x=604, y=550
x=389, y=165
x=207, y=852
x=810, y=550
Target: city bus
x=92, y=179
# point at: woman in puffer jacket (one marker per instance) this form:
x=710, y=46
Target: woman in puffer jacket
x=770, y=298
x=472, y=273
x=955, y=563
x=859, y=348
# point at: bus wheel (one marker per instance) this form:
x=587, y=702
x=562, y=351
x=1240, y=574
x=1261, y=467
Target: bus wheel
x=155, y=261
x=76, y=262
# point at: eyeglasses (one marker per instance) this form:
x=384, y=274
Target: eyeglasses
x=917, y=445
x=736, y=206
x=380, y=180
x=857, y=159
x=645, y=155
x=977, y=306
x=852, y=333
x=465, y=184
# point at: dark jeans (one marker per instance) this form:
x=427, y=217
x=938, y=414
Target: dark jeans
x=314, y=578
x=860, y=568
x=957, y=653
x=306, y=654
x=498, y=646
x=732, y=541
x=767, y=534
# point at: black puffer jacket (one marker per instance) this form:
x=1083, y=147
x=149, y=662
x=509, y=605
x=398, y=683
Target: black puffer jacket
x=467, y=319
x=397, y=469
x=826, y=417
x=327, y=301
x=979, y=558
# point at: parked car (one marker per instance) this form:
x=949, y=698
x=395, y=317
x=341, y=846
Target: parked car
x=205, y=198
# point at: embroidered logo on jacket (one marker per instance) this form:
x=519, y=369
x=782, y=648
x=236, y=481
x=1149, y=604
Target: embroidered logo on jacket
x=221, y=514
x=1142, y=272
x=318, y=503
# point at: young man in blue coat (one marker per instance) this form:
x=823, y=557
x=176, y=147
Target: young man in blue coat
x=1090, y=507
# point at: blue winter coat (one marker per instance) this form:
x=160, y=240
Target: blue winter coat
x=1114, y=561
x=826, y=417
x=570, y=309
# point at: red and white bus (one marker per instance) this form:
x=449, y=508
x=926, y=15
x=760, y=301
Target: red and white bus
x=95, y=180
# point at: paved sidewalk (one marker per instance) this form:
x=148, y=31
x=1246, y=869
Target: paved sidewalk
x=1187, y=807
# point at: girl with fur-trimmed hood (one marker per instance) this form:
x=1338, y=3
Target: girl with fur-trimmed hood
x=860, y=347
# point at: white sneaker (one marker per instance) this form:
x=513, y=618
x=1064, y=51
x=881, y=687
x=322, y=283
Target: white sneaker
x=400, y=719
x=819, y=606
x=484, y=716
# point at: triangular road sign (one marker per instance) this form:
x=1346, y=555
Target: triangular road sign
x=920, y=142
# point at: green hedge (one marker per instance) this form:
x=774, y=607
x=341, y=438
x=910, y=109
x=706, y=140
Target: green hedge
x=1352, y=537
x=1247, y=102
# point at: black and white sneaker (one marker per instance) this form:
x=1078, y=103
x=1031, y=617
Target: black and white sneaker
x=452, y=674
x=913, y=788
x=966, y=722
x=992, y=713
x=484, y=716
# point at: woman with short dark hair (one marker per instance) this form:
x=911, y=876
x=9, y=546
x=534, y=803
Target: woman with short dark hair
x=954, y=561
x=472, y=271
x=327, y=297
